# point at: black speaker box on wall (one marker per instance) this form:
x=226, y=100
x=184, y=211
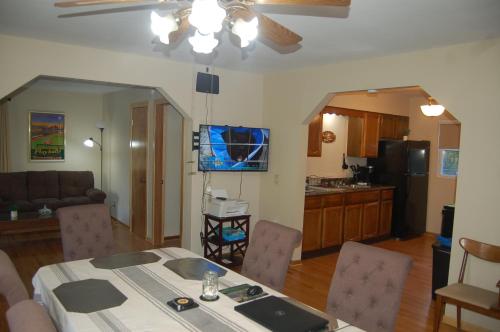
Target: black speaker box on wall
x=207, y=83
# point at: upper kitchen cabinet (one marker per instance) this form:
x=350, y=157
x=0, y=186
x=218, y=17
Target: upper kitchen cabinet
x=363, y=135
x=393, y=126
x=314, y=138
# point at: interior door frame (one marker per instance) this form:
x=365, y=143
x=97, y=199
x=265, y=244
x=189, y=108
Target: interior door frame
x=131, y=107
x=159, y=210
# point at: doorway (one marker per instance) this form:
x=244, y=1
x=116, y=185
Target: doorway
x=168, y=175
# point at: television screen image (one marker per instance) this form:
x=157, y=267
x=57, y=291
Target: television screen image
x=225, y=148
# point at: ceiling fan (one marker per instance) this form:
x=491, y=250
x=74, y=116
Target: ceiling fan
x=209, y=17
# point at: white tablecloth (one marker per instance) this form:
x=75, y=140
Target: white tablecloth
x=145, y=309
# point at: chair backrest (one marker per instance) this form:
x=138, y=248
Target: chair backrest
x=269, y=253
x=11, y=286
x=367, y=286
x=85, y=231
x=481, y=250
x=29, y=316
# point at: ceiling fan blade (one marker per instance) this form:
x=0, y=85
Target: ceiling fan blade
x=79, y=3
x=176, y=35
x=342, y=3
x=276, y=32
x=268, y=28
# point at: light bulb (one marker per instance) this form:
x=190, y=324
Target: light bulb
x=247, y=31
x=203, y=43
x=207, y=16
x=163, y=26
x=89, y=142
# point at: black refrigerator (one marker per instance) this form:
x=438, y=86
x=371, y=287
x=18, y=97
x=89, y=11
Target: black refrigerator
x=405, y=165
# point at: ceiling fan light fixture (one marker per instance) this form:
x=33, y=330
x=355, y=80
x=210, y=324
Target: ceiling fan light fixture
x=203, y=43
x=247, y=31
x=432, y=109
x=163, y=26
x=207, y=16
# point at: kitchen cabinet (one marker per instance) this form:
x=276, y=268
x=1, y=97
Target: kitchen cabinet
x=314, y=141
x=333, y=219
x=312, y=230
x=353, y=222
x=323, y=220
x=385, y=213
x=370, y=220
x=363, y=135
x=365, y=221
x=354, y=215
x=393, y=126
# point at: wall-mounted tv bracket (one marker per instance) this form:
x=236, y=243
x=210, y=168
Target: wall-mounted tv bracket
x=196, y=140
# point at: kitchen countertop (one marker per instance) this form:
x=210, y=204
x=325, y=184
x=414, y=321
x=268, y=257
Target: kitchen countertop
x=318, y=191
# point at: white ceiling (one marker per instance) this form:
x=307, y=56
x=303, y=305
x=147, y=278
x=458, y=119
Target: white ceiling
x=369, y=28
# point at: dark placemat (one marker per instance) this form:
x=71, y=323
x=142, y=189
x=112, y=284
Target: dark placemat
x=193, y=268
x=89, y=295
x=123, y=260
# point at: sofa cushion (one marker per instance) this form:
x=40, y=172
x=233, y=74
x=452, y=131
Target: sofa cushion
x=24, y=206
x=80, y=200
x=43, y=184
x=51, y=203
x=13, y=186
x=75, y=183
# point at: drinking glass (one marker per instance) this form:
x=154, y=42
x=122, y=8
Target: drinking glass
x=210, y=286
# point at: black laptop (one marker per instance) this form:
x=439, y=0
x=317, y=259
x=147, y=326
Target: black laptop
x=279, y=315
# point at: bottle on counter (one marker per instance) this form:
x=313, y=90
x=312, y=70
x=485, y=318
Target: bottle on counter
x=13, y=212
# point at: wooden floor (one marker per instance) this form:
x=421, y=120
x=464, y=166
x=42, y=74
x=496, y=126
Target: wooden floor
x=308, y=282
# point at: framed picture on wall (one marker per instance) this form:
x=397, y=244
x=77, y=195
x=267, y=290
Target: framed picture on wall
x=46, y=136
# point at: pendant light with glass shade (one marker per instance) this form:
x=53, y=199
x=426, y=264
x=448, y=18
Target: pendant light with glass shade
x=247, y=31
x=431, y=109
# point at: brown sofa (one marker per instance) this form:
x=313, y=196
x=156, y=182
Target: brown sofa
x=30, y=191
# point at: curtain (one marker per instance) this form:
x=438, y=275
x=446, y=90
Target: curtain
x=4, y=146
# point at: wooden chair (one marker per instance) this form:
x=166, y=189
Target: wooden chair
x=467, y=296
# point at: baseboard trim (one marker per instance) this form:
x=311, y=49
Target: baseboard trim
x=295, y=262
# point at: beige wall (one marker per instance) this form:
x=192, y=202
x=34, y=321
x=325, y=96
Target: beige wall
x=239, y=103
x=465, y=78
x=330, y=162
x=116, y=114
x=82, y=112
x=441, y=189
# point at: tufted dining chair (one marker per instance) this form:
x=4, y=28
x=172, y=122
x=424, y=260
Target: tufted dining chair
x=367, y=286
x=11, y=286
x=85, y=231
x=269, y=253
x=29, y=316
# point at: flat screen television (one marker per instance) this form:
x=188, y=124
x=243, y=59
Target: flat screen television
x=226, y=148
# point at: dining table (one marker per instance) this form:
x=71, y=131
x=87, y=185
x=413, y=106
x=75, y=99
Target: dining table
x=130, y=291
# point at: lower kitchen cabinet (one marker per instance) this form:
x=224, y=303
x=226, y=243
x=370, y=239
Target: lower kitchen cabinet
x=333, y=218
x=311, y=237
x=370, y=220
x=385, y=217
x=353, y=222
